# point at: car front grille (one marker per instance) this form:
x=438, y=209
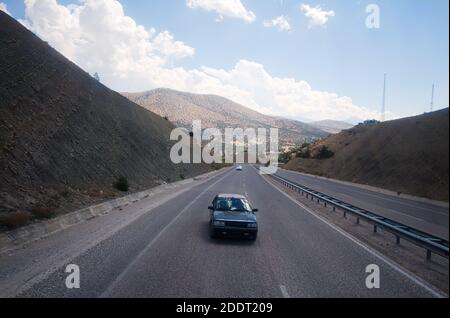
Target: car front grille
x=236, y=224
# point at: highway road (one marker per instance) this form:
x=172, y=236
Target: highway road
x=425, y=216
x=167, y=252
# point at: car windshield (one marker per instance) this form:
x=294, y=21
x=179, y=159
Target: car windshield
x=232, y=205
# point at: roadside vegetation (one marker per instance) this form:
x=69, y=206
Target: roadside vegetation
x=19, y=218
x=15, y=219
x=122, y=184
x=307, y=151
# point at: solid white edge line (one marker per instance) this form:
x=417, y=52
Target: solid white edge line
x=284, y=291
x=428, y=287
x=124, y=272
x=28, y=284
x=374, y=193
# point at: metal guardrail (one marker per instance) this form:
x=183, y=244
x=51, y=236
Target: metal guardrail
x=431, y=243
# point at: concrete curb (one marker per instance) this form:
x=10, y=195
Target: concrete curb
x=377, y=190
x=20, y=237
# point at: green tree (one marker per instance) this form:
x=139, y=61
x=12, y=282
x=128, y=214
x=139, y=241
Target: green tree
x=121, y=184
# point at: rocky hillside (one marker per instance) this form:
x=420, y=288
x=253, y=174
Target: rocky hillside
x=64, y=137
x=218, y=112
x=409, y=155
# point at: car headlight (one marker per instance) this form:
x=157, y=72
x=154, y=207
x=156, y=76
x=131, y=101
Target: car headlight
x=252, y=225
x=219, y=223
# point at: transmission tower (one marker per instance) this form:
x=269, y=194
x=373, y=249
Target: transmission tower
x=383, y=107
x=432, y=99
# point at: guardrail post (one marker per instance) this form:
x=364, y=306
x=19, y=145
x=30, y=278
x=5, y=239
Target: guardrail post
x=325, y=204
x=334, y=209
x=375, y=229
x=428, y=255
x=357, y=220
x=398, y=240
x=345, y=214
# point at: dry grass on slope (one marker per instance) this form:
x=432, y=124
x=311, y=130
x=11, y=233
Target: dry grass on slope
x=409, y=155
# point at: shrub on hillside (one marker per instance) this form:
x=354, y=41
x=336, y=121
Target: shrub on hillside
x=15, y=219
x=40, y=212
x=284, y=157
x=303, y=153
x=324, y=153
x=121, y=184
x=305, y=145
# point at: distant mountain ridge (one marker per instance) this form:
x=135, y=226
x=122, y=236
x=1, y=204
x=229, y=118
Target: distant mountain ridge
x=218, y=112
x=331, y=126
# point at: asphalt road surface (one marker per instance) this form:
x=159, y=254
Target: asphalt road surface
x=425, y=216
x=167, y=252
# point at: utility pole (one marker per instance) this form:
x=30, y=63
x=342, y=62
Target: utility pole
x=383, y=107
x=432, y=99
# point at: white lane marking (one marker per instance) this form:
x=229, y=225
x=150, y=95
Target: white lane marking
x=431, y=289
x=397, y=201
x=11, y=289
x=152, y=242
x=382, y=196
x=407, y=215
x=284, y=291
x=394, y=214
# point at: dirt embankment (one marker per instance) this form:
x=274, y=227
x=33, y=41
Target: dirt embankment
x=409, y=155
x=65, y=138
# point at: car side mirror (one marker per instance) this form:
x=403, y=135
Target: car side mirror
x=255, y=210
x=211, y=208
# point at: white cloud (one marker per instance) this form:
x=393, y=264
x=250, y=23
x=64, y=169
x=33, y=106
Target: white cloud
x=165, y=43
x=225, y=8
x=4, y=8
x=317, y=16
x=288, y=97
x=281, y=23
x=97, y=36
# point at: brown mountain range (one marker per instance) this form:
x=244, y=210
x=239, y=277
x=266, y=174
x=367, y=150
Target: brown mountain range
x=218, y=112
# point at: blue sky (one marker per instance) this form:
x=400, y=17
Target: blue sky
x=342, y=56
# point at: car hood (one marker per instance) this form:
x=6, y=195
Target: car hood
x=244, y=217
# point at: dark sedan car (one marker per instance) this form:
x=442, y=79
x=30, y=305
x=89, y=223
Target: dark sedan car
x=231, y=215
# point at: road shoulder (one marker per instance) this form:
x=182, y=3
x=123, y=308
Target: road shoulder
x=408, y=257
x=34, y=261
